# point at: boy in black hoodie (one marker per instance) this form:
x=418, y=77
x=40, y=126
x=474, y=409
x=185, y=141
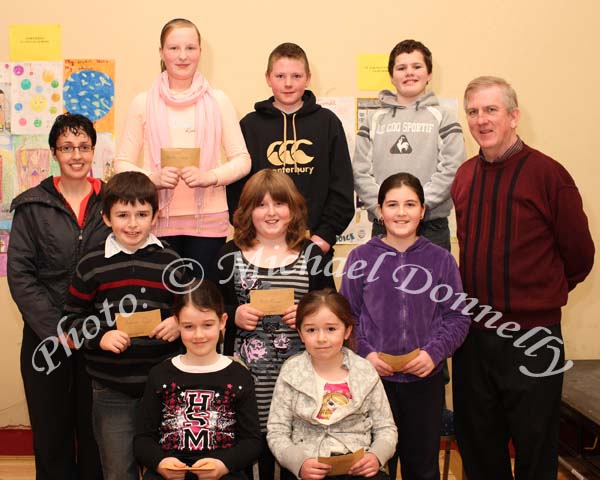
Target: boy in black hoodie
x=291, y=133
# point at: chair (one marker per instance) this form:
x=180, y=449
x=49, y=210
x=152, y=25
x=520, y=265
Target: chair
x=446, y=440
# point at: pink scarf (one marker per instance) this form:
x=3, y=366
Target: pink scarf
x=208, y=126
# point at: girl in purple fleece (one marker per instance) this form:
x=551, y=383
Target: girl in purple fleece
x=406, y=295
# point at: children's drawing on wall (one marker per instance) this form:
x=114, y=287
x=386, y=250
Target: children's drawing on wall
x=344, y=108
x=104, y=153
x=4, y=97
x=4, y=238
x=1, y=162
x=8, y=183
x=36, y=96
x=359, y=229
x=33, y=161
x=363, y=105
x=5, y=225
x=89, y=89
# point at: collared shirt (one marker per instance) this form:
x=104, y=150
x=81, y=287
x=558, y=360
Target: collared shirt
x=514, y=148
x=112, y=245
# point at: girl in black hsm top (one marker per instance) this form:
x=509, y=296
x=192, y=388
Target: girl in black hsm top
x=198, y=416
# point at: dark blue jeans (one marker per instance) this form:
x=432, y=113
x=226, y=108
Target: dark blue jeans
x=113, y=415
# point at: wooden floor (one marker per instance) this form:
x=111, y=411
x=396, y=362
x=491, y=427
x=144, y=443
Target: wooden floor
x=22, y=468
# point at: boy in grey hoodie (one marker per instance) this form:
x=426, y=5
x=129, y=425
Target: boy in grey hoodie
x=411, y=132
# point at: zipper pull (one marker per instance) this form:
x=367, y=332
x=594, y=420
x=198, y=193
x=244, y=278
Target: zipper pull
x=80, y=234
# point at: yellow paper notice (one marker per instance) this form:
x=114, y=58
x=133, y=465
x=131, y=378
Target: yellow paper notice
x=28, y=42
x=372, y=72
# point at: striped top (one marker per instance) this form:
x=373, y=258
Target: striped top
x=265, y=349
x=101, y=288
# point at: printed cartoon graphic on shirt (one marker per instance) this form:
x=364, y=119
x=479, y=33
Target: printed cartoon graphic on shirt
x=197, y=420
x=336, y=395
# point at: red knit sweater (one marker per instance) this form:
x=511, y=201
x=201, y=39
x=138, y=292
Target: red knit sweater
x=524, y=238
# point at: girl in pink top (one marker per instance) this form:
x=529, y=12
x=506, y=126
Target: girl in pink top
x=182, y=110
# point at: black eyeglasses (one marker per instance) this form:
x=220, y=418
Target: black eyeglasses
x=71, y=148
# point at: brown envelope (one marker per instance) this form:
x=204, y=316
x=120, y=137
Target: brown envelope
x=180, y=157
x=397, y=362
x=272, y=302
x=138, y=324
x=341, y=463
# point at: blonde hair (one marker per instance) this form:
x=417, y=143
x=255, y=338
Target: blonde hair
x=172, y=25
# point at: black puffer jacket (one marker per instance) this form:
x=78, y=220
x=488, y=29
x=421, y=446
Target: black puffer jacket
x=45, y=246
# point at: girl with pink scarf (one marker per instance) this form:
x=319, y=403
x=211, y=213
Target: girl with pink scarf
x=181, y=110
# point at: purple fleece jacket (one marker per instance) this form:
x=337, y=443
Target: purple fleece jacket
x=405, y=300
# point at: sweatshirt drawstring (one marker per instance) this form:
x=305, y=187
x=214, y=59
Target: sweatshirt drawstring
x=283, y=150
x=295, y=139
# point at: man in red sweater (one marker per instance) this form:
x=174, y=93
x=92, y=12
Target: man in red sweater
x=524, y=244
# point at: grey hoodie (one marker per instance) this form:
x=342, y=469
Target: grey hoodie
x=424, y=139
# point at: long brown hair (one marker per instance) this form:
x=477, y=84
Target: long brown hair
x=282, y=189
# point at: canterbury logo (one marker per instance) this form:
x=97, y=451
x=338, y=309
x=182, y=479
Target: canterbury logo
x=288, y=153
x=401, y=146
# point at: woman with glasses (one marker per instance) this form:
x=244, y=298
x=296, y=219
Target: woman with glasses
x=182, y=111
x=269, y=252
x=54, y=224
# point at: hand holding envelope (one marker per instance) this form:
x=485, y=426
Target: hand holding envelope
x=340, y=464
x=272, y=302
x=138, y=324
x=180, y=157
x=171, y=467
x=194, y=177
x=187, y=163
x=166, y=177
x=398, y=362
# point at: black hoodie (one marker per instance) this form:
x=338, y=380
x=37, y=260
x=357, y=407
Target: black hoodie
x=310, y=146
